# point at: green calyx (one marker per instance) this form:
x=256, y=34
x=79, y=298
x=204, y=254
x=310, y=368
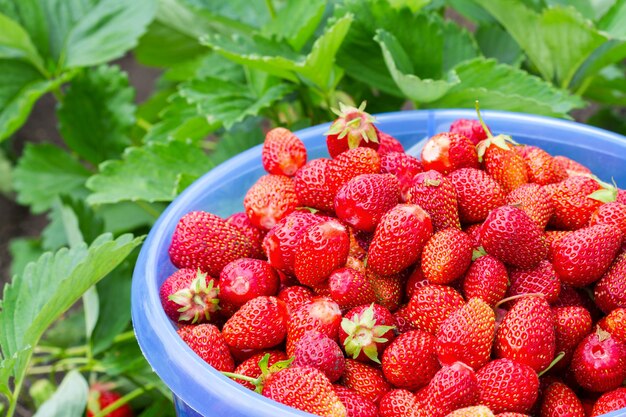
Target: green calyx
x=478, y=252
x=501, y=141
x=197, y=301
x=266, y=371
x=606, y=194
x=364, y=335
x=354, y=125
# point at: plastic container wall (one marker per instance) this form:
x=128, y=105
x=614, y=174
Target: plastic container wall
x=200, y=390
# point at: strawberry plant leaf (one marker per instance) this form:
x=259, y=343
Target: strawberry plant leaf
x=542, y=36
x=46, y=171
x=6, y=174
x=69, y=400
x=16, y=43
x=97, y=113
x=609, y=86
x=23, y=251
x=496, y=43
x=71, y=220
x=49, y=287
x=296, y=22
x=149, y=173
x=107, y=31
x=614, y=21
x=163, y=46
x=501, y=86
x=253, y=13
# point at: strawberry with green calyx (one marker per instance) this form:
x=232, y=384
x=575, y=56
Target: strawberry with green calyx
x=251, y=367
x=610, y=291
x=500, y=160
x=353, y=128
x=573, y=204
x=599, y=362
x=366, y=331
x=189, y=296
x=265, y=369
x=102, y=396
x=209, y=344
x=606, y=194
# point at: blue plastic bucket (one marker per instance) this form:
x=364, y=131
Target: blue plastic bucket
x=199, y=390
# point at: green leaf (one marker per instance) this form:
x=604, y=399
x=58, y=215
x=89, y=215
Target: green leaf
x=71, y=221
x=97, y=112
x=496, y=43
x=150, y=173
x=6, y=174
x=50, y=286
x=609, y=118
x=107, y=31
x=250, y=12
x=614, y=21
x=243, y=136
x=21, y=85
x=227, y=103
x=125, y=217
x=114, y=306
x=296, y=22
x=280, y=59
x=44, y=172
x=67, y=331
x=15, y=42
x=543, y=36
x=7, y=366
x=23, y=251
x=413, y=87
x=609, y=86
x=500, y=86
x=31, y=15
x=70, y=399
x=163, y=46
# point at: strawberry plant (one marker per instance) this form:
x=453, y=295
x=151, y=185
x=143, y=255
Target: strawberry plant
x=230, y=71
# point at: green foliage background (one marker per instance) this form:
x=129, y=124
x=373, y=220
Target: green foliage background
x=230, y=69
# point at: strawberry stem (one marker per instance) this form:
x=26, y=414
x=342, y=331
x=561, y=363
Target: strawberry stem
x=124, y=400
x=482, y=122
x=231, y=375
x=515, y=297
x=556, y=360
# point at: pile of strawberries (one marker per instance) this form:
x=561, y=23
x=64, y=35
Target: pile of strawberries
x=486, y=278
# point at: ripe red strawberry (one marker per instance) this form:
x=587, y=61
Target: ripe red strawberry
x=541, y=279
x=526, y=334
x=204, y=241
x=366, y=331
x=512, y=415
x=571, y=325
x=350, y=164
x=473, y=411
x=535, y=201
x=553, y=236
x=511, y=236
x=321, y=314
x=541, y=166
x=313, y=187
x=610, y=291
x=599, y=362
x=250, y=367
x=295, y=296
x=189, y=296
x=453, y=387
x=402, y=321
x=261, y=323
x=388, y=143
x=304, y=388
x=403, y=166
x=615, y=323
x=321, y=248
x=559, y=401
x=471, y=129
x=353, y=127
x=446, y=256
x=572, y=205
x=610, y=401
x=100, y=397
x=365, y=380
x=506, y=385
x=280, y=243
x=388, y=289
x=467, y=335
x=415, y=281
x=270, y=199
x=410, y=361
x=501, y=162
x=350, y=288
x=245, y=279
x=572, y=167
x=583, y=256
x=242, y=222
x=447, y=152
x=621, y=196
x=283, y=152
x=320, y=351
x=208, y=343
x=356, y=404
x=399, y=403
x=431, y=305
x=476, y=193
x=612, y=213
x=362, y=201
x=487, y=279
x=436, y=194
x=399, y=239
